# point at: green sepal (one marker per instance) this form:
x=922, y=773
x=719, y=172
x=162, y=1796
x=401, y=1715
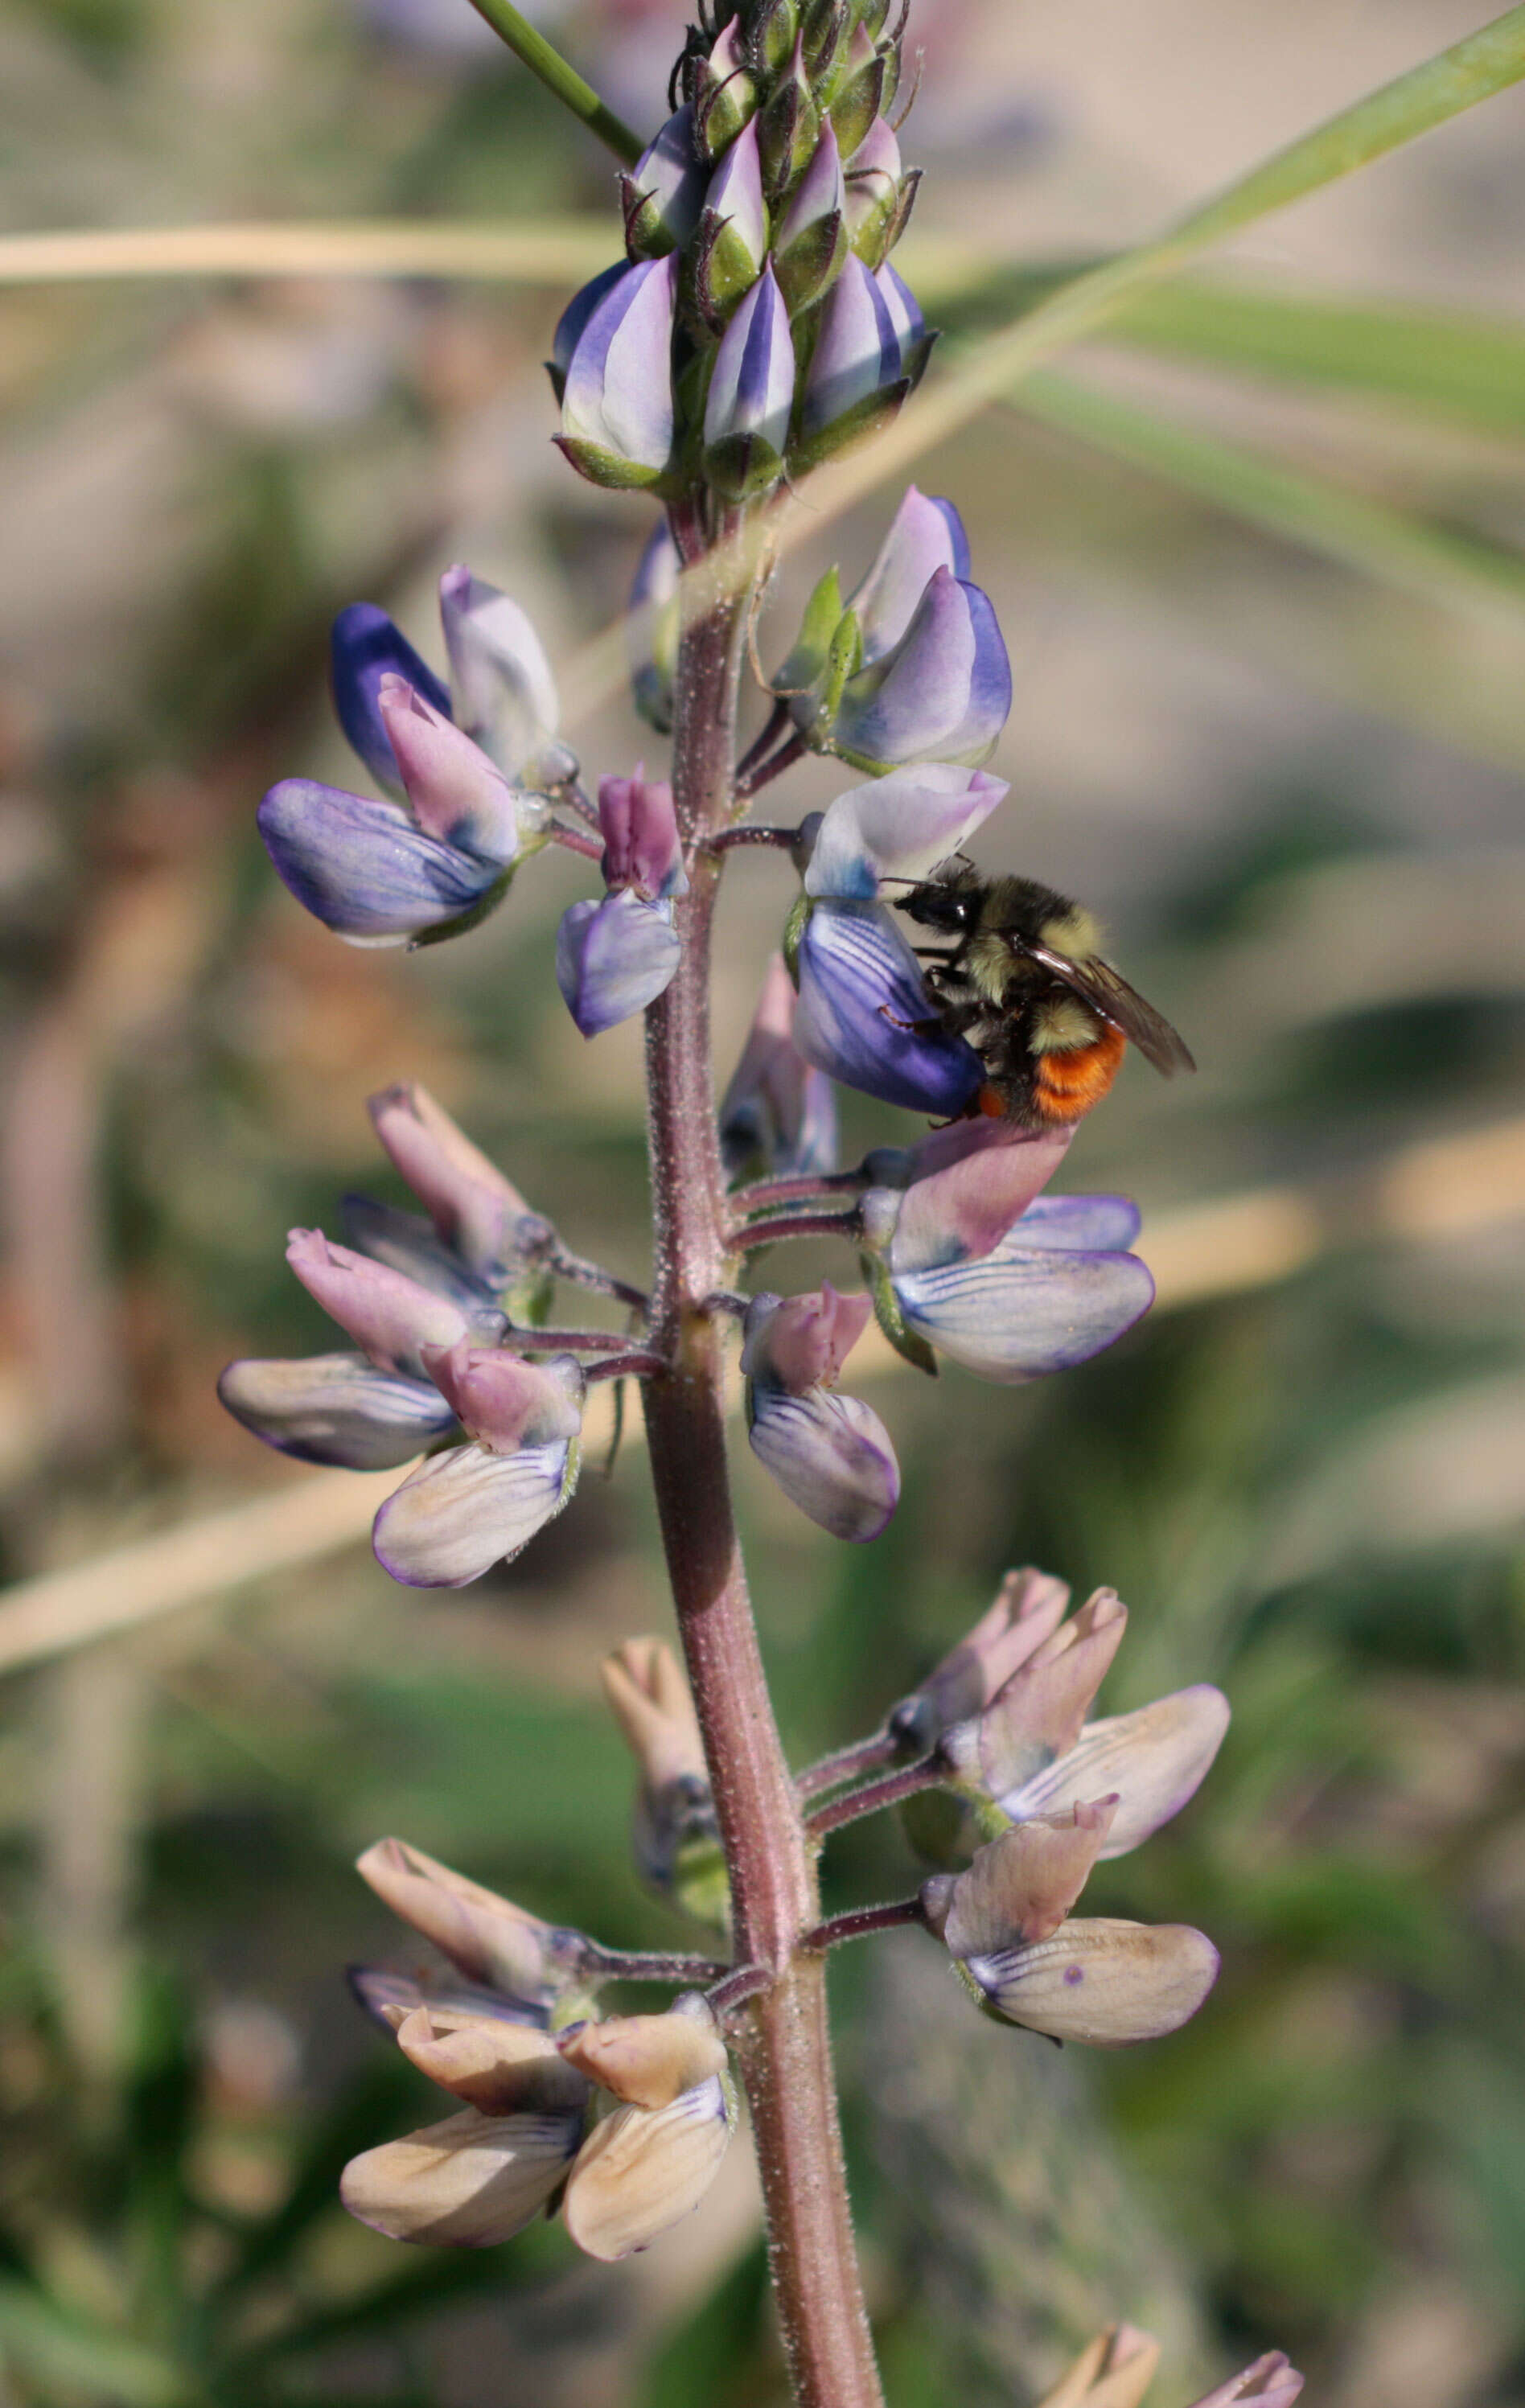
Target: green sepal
x=608, y=469
x=721, y=269
x=891, y=1320
x=858, y=102
x=794, y=930
x=699, y=1883
x=742, y=466
x=936, y=1827
x=813, y=261
x=773, y=28
x=528, y=1295
x=866, y=417
x=807, y=661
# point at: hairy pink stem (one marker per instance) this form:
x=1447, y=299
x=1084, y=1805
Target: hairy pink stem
x=784, y=2044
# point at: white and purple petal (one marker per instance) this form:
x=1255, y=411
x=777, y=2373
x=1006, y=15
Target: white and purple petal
x=864, y=1016
x=1152, y=1759
x=619, y=381
x=1106, y=1982
x=898, y=827
x=857, y=352
x=832, y=1455
x=642, y=2168
x=926, y=533
x=1017, y=1312
x=666, y=188
x=614, y=957
x=505, y=695
x=466, y=1510
x=943, y=692
x=752, y=383
x=337, y=1409
x=1107, y=1224
x=365, y=870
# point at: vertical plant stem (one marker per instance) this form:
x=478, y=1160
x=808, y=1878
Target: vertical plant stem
x=784, y=2046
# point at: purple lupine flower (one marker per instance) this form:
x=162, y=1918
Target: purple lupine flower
x=573, y=320
x=855, y=362
x=480, y=1504
x=664, y=191
x=614, y=957
x=1057, y=1288
x=504, y=693
x=898, y=828
x=652, y=628
x=390, y=1317
x=811, y=242
x=746, y=414
x=733, y=236
x=905, y=315
x=830, y=1454
x=504, y=1402
x=961, y=1213
x=616, y=406
x=337, y=1409
x=925, y=534
x=942, y=693
x=364, y=645
x=779, y=1114
x=864, y=1016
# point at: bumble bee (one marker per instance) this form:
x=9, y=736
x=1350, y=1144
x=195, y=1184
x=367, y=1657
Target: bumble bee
x=1024, y=983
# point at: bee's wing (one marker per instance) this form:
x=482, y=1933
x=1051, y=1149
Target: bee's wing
x=1111, y=995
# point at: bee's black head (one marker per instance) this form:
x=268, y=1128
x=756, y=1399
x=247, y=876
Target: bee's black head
x=946, y=909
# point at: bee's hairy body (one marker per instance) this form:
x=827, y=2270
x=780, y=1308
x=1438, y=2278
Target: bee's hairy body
x=1025, y=984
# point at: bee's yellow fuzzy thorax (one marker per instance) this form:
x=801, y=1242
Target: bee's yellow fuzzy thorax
x=1076, y=934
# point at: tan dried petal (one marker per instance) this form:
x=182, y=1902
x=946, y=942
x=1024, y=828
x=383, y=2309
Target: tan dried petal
x=647, y=2060
x=1114, y=2371
x=1042, y=1710
x=643, y=2169
x=649, y=1699
x=470, y=2180
x=485, y=1936
x=1272, y=2382
x=500, y=2067
x=1019, y=1888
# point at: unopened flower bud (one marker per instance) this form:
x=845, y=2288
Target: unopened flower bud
x=746, y=414
x=926, y=533
x=855, y=382
x=616, y=408
x=652, y=629
x=664, y=191
x=772, y=26
x=788, y=125
x=640, y=827
x=642, y=2168
x=831, y=1455
x=474, y=1209
x=575, y=318
x=733, y=232
x=648, y=2060
x=878, y=194
x=861, y=92
x=812, y=241
x=677, y=1845
x=391, y=1318
x=724, y=96
x=942, y=693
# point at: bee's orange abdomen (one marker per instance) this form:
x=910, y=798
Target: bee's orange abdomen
x=991, y=1101
x=1066, y=1085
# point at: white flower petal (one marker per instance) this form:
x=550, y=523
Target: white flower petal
x=467, y=1510
x=1154, y=1760
x=470, y=2180
x=643, y=2168
x=1109, y=1983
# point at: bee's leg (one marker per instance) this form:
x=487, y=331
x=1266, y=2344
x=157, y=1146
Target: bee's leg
x=912, y=1028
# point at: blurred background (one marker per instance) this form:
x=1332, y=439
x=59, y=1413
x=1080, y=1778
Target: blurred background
x=1257, y=556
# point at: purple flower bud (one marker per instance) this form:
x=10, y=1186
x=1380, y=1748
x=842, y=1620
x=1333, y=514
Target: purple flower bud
x=474, y=1209
x=614, y=957
x=1031, y=1305
x=368, y=872
x=364, y=647
x=504, y=1402
x=904, y=314
x=505, y=696
x=641, y=850
x=801, y=1342
x=746, y=415
x=942, y=693
x=573, y=320
x=779, y=1115
x=1272, y=2382
x=812, y=243
x=616, y=410
x=898, y=828
x=865, y=1017
x=872, y=191
x=1106, y=1982
x=664, y=191
x=463, y=1511
x=336, y=1408
x=926, y=533
x=735, y=238
x=724, y=96
x=832, y=1455
x=961, y=1213
x=652, y=628
x=856, y=356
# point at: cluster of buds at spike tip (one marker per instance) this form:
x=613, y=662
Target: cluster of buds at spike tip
x=512, y=2035
x=756, y=325
x=616, y=956
x=467, y=771
x=431, y=1306
x=675, y=1834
